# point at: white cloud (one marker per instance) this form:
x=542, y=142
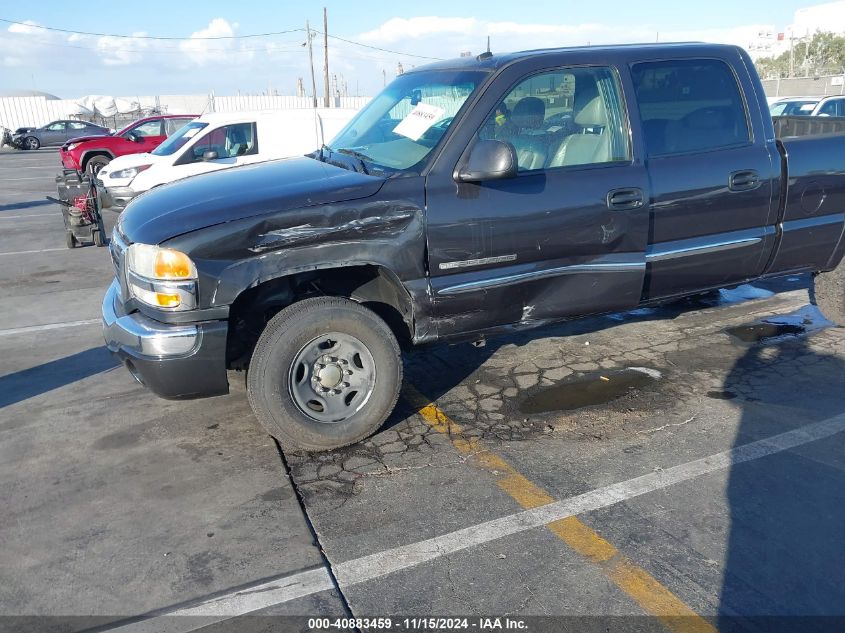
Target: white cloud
x=446, y=37
x=122, y=51
x=203, y=51
x=397, y=29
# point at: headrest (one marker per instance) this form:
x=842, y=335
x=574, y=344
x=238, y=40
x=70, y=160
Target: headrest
x=529, y=112
x=592, y=114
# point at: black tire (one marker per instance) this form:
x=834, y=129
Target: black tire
x=70, y=240
x=828, y=293
x=99, y=240
x=96, y=163
x=269, y=384
x=30, y=142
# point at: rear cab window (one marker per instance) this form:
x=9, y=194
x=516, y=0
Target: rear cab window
x=689, y=105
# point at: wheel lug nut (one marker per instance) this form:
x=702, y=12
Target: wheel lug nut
x=344, y=361
x=345, y=385
x=336, y=392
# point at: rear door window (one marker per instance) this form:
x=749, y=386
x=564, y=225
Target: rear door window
x=150, y=128
x=171, y=125
x=689, y=105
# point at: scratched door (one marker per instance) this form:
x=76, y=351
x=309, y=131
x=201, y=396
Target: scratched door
x=568, y=235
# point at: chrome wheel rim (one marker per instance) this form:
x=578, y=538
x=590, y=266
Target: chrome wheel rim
x=31, y=143
x=332, y=377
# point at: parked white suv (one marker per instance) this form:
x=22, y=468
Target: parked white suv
x=218, y=141
x=830, y=106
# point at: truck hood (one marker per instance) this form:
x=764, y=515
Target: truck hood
x=237, y=193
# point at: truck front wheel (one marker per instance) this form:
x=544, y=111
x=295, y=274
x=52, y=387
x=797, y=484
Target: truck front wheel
x=325, y=373
x=828, y=293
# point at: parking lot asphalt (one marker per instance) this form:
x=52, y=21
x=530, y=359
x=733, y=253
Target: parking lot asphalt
x=678, y=468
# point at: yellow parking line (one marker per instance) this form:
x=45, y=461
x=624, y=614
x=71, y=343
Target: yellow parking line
x=653, y=597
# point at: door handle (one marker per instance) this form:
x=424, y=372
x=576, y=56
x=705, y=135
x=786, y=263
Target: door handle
x=744, y=180
x=620, y=199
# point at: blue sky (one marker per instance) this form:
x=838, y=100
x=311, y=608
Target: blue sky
x=71, y=66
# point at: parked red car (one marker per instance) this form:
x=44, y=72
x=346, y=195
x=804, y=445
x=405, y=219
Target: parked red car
x=90, y=153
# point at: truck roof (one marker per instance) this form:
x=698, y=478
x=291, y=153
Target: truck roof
x=498, y=60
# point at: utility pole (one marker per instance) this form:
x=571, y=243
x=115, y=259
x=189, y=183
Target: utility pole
x=791, y=54
x=326, y=54
x=311, y=60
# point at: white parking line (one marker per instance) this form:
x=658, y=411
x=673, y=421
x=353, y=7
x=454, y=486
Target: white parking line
x=36, y=215
x=27, y=178
x=42, y=250
x=49, y=326
x=359, y=570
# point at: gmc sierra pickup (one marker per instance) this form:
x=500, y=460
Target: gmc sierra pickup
x=469, y=197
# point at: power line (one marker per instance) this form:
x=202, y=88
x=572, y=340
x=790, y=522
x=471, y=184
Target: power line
x=377, y=48
x=150, y=37
x=218, y=37
x=273, y=48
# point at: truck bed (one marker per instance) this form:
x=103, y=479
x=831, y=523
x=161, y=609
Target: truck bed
x=792, y=126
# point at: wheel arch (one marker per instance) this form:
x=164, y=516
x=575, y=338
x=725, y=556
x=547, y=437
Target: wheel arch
x=372, y=285
x=91, y=153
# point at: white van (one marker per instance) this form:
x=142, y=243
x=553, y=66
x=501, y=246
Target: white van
x=217, y=141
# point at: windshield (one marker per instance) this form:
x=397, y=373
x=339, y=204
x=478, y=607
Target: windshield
x=178, y=139
x=399, y=128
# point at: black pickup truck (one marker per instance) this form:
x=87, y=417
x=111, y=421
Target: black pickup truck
x=469, y=197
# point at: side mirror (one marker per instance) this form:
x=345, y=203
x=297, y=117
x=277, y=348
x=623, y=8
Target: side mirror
x=210, y=155
x=489, y=160
x=135, y=138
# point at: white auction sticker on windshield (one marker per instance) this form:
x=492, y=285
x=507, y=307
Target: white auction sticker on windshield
x=422, y=117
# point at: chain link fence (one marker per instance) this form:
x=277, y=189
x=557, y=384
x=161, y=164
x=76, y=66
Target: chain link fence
x=805, y=86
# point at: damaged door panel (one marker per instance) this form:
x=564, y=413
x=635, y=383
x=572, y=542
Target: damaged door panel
x=567, y=236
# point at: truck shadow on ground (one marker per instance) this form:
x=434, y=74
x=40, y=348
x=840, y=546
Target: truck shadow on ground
x=437, y=369
x=38, y=380
x=785, y=564
x=17, y=206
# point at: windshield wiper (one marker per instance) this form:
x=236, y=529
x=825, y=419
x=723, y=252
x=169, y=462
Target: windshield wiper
x=354, y=154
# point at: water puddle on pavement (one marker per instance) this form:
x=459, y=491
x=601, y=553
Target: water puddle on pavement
x=589, y=389
x=764, y=331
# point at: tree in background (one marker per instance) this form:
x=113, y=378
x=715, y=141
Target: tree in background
x=822, y=54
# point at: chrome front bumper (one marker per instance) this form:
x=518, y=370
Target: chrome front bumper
x=142, y=336
x=173, y=361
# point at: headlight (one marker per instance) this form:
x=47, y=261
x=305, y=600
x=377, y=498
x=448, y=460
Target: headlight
x=161, y=277
x=72, y=146
x=131, y=172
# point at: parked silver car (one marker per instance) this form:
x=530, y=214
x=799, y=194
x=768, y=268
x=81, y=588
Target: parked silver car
x=55, y=133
